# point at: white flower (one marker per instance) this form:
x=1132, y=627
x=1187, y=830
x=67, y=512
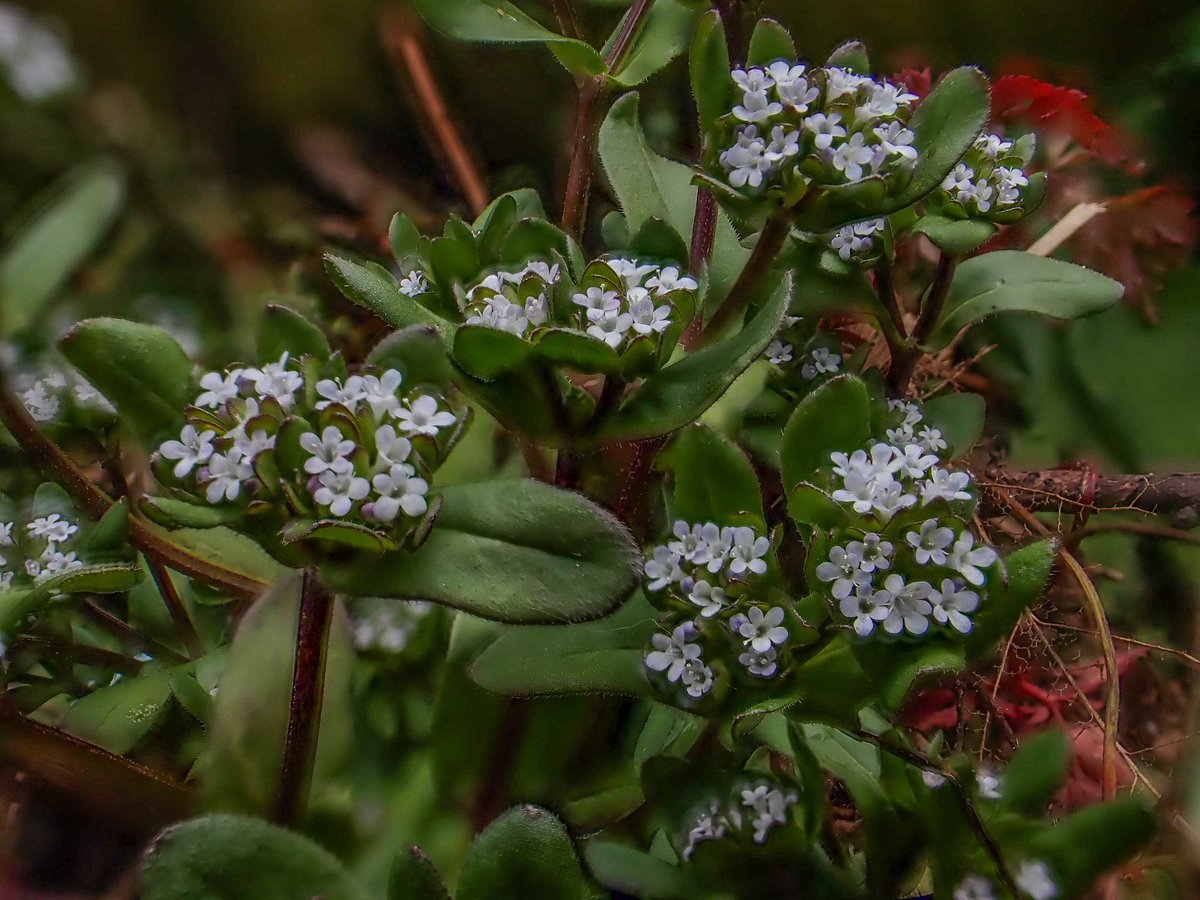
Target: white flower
x=992, y=145
x=219, y=389
x=929, y=545
x=697, y=678
x=224, y=474
x=969, y=561
x=390, y=447
x=6, y=539
x=57, y=563
x=850, y=156
x=889, y=499
x=334, y=392
x=910, y=605
x=931, y=439
x=847, y=242
x=688, y=544
x=414, y=283
x=798, y=94
x=840, y=82
x=951, y=604
x=961, y=178
x=886, y=100
x=1009, y=182
x=933, y=780
x=276, y=380
x=253, y=445
x=914, y=461
x=754, y=80
x=769, y=806
x=398, y=489
x=821, y=360
x=192, y=449
x=717, y=544
x=611, y=327
x=760, y=630
x=782, y=72
x=778, y=353
x=380, y=392
x=747, y=552
x=53, y=528
x=747, y=164
x=542, y=269
x=756, y=106
x=945, y=485
x=784, y=143
x=629, y=271
x=764, y=665
x=866, y=608
x=672, y=654
x=329, y=452
x=422, y=416
x=825, y=128
x=669, y=279
x=339, y=490
x=42, y=405
x=988, y=784
x=973, y=887
x=37, y=64
x=844, y=570
x=1035, y=879
x=710, y=598
x=872, y=552
x=710, y=826
x=662, y=568
x=645, y=317
x=596, y=302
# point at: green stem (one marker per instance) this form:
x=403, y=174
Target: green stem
x=770, y=241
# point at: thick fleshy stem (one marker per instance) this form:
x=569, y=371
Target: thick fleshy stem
x=308, y=688
x=770, y=242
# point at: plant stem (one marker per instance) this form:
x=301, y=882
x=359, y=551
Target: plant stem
x=568, y=22
x=593, y=96
x=905, y=363
x=733, y=20
x=174, y=604
x=122, y=631
x=308, y=688
x=770, y=241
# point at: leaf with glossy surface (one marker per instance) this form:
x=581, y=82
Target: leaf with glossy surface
x=526, y=852
x=514, y=550
x=488, y=353
x=620, y=867
x=229, y=549
x=171, y=513
x=1015, y=281
x=679, y=393
x=141, y=369
x=834, y=417
x=714, y=480
x=226, y=857
x=104, y=578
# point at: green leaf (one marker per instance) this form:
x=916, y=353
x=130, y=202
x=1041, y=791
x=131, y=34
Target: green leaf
x=575, y=350
x=140, y=368
x=500, y=21
x=414, y=877
x=523, y=401
x=172, y=513
x=56, y=240
x=229, y=549
x=236, y=858
x=529, y=206
x=714, y=480
x=1036, y=772
x=488, y=353
x=118, y=716
x=956, y=237
x=770, y=42
x=662, y=37
x=526, y=852
x=283, y=330
x=514, y=550
x=404, y=238
x=620, y=867
x=371, y=286
x=417, y=353
x=337, y=532
x=1028, y=571
x=244, y=750
x=105, y=578
x=809, y=505
x=1092, y=841
x=960, y=419
x=601, y=656
x=650, y=186
x=656, y=239
x=836, y=416
x=679, y=393
x=1015, y=281
x=708, y=66
x=851, y=56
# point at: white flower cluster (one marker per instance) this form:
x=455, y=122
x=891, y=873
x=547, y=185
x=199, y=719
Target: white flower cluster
x=816, y=362
x=386, y=625
x=1033, y=877
x=990, y=178
x=852, y=126
x=759, y=805
x=703, y=574
x=931, y=568
x=635, y=300
x=516, y=302
x=414, y=283
x=47, y=397
x=357, y=440
x=44, y=544
x=34, y=57
x=858, y=241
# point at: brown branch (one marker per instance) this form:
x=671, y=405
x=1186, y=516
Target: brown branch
x=401, y=34
x=308, y=689
x=1080, y=491
x=770, y=241
x=174, y=604
x=904, y=364
x=126, y=633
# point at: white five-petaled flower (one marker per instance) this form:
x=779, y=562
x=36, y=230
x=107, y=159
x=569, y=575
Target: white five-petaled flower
x=931, y=439
x=611, y=327
x=974, y=887
x=630, y=271
x=798, y=93
x=866, y=608
x=194, y=448
x=840, y=82
x=52, y=528
x=596, y=301
x=747, y=163
x=992, y=145
x=669, y=279
x=340, y=490
x=662, y=568
x=970, y=561
x=329, y=452
x=952, y=603
x=422, y=416
x=390, y=448
x=688, y=545
x=671, y=654
x=219, y=388
x=276, y=380
x=379, y=392
x=747, y=551
x=784, y=143
x=844, y=569
x=710, y=598
x=762, y=665
x=414, y=283
x=929, y=545
x=910, y=605
x=914, y=461
x=333, y=391
x=943, y=484
x=760, y=630
x=873, y=552
x=851, y=156
x=697, y=678
x=778, y=353
x=645, y=317
x=825, y=128
x=399, y=489
x=1036, y=880
x=820, y=360
x=224, y=474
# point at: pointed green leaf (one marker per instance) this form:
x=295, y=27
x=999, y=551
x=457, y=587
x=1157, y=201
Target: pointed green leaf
x=770, y=42
x=662, y=37
x=708, y=65
x=956, y=237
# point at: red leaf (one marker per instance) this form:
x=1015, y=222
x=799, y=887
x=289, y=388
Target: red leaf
x=1022, y=99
